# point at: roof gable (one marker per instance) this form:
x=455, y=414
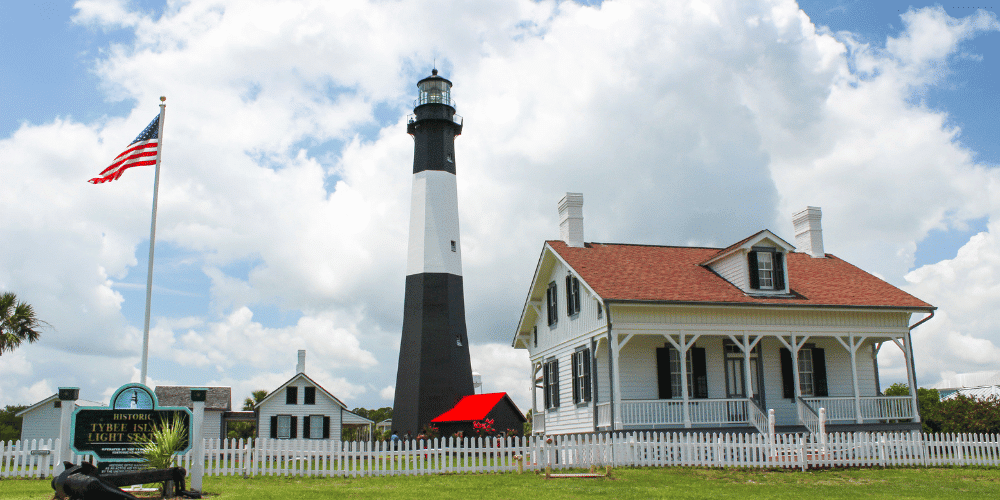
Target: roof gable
x=761, y=238
x=301, y=376
x=52, y=398
x=475, y=407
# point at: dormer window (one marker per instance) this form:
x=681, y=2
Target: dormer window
x=767, y=272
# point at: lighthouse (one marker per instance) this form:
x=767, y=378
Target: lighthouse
x=434, y=369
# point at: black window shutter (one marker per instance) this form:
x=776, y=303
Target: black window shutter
x=779, y=272
x=555, y=382
x=699, y=369
x=576, y=385
x=787, y=377
x=295, y=428
x=754, y=272
x=576, y=295
x=291, y=395
x=819, y=373
x=663, y=371
x=587, y=395
x=274, y=426
x=545, y=385
x=326, y=427
x=569, y=296
x=305, y=427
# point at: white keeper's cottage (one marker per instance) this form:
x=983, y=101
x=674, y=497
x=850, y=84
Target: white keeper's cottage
x=41, y=420
x=636, y=337
x=302, y=409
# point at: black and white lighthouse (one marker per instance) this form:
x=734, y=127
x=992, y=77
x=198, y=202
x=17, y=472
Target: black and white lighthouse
x=434, y=369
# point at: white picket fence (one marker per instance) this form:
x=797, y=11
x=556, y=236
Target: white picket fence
x=310, y=457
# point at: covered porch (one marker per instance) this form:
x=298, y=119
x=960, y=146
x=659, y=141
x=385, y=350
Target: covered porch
x=745, y=379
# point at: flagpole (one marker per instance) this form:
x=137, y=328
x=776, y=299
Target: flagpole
x=152, y=243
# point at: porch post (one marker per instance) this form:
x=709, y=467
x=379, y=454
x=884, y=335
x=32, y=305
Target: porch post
x=748, y=387
x=910, y=376
x=534, y=389
x=684, y=380
x=795, y=367
x=854, y=374
x=616, y=415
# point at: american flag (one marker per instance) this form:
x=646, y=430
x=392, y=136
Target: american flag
x=142, y=151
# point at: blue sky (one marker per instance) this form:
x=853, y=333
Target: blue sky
x=285, y=192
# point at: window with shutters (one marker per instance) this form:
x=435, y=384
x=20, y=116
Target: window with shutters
x=284, y=426
x=550, y=383
x=572, y=296
x=552, y=303
x=310, y=396
x=316, y=426
x=767, y=270
x=581, y=376
x=806, y=385
x=291, y=395
x=675, y=374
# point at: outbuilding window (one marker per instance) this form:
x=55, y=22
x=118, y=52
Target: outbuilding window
x=572, y=296
x=291, y=395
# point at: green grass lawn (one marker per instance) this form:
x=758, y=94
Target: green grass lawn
x=675, y=483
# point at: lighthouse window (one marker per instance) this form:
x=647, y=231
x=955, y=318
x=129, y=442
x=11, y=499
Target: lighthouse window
x=458, y=340
x=454, y=247
x=450, y=159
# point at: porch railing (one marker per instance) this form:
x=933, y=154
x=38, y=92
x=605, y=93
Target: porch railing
x=807, y=415
x=758, y=418
x=604, y=415
x=872, y=408
x=671, y=411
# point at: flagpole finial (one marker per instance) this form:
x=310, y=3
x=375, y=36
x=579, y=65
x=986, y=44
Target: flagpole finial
x=163, y=98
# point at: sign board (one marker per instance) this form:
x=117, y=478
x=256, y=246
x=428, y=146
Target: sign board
x=115, y=433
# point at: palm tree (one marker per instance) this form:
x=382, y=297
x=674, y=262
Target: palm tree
x=17, y=323
x=258, y=396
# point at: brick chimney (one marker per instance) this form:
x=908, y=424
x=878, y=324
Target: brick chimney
x=571, y=219
x=301, y=367
x=808, y=232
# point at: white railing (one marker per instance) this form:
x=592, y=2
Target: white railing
x=872, y=408
x=758, y=418
x=887, y=407
x=808, y=416
x=316, y=457
x=836, y=408
x=652, y=412
x=671, y=411
x=604, y=415
x=538, y=423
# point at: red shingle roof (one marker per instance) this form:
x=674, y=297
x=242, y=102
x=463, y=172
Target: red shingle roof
x=674, y=274
x=474, y=407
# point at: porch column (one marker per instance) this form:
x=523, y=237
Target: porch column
x=684, y=380
x=852, y=349
x=794, y=347
x=910, y=376
x=534, y=389
x=615, y=352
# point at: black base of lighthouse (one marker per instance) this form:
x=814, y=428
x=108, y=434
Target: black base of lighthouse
x=435, y=370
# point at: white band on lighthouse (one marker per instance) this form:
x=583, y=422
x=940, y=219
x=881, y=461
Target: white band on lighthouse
x=434, y=238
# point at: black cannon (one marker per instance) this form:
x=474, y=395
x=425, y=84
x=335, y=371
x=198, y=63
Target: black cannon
x=82, y=482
